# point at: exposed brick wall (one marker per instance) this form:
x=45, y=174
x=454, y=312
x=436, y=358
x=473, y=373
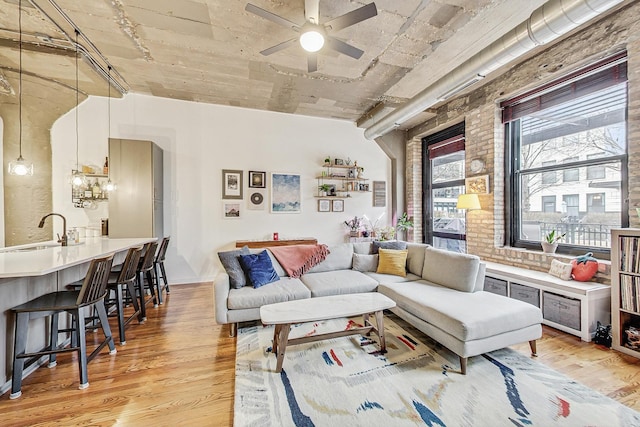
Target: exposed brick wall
x=484, y=130
x=413, y=179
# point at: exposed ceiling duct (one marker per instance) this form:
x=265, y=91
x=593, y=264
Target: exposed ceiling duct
x=550, y=21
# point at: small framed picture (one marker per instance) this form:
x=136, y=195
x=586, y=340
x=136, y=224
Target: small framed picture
x=257, y=179
x=324, y=205
x=339, y=162
x=477, y=184
x=231, y=210
x=337, y=205
x=231, y=184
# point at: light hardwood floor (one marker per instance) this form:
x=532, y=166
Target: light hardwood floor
x=178, y=369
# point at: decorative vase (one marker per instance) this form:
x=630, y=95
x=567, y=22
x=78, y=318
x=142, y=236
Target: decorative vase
x=549, y=248
x=353, y=233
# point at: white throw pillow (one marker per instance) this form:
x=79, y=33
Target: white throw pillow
x=560, y=269
x=365, y=262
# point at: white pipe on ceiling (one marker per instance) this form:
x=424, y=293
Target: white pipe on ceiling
x=550, y=21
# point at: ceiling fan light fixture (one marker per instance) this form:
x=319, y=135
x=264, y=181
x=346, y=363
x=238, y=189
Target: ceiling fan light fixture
x=312, y=40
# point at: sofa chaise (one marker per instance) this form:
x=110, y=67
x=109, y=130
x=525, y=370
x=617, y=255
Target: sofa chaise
x=438, y=292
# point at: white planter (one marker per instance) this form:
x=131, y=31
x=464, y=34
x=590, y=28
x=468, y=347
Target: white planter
x=549, y=248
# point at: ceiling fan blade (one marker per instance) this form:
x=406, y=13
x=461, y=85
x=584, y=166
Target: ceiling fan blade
x=343, y=47
x=312, y=10
x=312, y=62
x=270, y=16
x=279, y=46
x=353, y=17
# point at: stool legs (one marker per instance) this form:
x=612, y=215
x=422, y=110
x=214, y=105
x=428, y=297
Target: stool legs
x=53, y=340
x=20, y=347
x=82, y=344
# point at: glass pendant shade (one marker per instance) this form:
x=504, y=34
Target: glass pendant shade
x=311, y=41
x=110, y=186
x=20, y=167
x=78, y=179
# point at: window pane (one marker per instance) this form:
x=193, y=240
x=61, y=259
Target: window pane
x=587, y=210
x=570, y=174
x=593, y=126
x=450, y=245
x=447, y=168
x=446, y=218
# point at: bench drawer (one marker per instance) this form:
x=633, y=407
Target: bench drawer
x=562, y=310
x=495, y=286
x=525, y=293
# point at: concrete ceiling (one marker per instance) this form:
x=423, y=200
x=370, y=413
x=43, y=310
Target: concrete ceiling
x=208, y=50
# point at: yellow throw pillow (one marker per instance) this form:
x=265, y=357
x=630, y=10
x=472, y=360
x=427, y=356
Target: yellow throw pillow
x=392, y=261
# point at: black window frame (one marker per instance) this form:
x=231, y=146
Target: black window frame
x=511, y=121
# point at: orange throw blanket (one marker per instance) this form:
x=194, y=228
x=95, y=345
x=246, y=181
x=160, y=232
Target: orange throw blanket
x=298, y=259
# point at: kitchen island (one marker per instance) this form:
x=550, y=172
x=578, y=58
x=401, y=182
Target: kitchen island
x=28, y=271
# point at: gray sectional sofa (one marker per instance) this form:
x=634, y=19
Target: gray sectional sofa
x=441, y=295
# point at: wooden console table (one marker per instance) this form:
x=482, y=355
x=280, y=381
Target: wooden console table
x=256, y=244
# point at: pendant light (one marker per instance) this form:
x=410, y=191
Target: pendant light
x=110, y=186
x=78, y=180
x=20, y=166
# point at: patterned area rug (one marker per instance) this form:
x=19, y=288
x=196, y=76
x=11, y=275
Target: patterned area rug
x=347, y=382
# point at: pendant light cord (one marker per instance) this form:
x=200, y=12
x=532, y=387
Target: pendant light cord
x=77, y=102
x=20, y=78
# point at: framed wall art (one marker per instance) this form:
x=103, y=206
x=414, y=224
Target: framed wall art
x=256, y=200
x=231, y=210
x=257, y=179
x=231, y=184
x=286, y=195
x=477, y=184
x=324, y=205
x=337, y=205
x=379, y=194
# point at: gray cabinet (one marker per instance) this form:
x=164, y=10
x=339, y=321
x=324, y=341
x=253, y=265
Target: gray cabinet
x=136, y=206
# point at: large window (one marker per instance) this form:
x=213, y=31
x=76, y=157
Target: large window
x=567, y=142
x=443, y=155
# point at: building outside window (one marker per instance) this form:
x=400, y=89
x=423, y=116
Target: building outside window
x=576, y=127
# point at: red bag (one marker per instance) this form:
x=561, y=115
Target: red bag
x=584, y=267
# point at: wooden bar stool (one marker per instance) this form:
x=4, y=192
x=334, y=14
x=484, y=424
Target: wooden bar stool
x=145, y=277
x=90, y=295
x=158, y=268
x=123, y=282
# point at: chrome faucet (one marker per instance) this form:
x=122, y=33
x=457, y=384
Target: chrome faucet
x=62, y=240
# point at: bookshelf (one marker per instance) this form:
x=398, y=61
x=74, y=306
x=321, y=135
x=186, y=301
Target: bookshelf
x=625, y=288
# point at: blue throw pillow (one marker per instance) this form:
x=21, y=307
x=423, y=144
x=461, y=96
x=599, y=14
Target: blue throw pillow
x=388, y=244
x=258, y=269
x=232, y=266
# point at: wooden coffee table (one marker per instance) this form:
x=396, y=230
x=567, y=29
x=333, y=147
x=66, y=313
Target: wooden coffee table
x=284, y=314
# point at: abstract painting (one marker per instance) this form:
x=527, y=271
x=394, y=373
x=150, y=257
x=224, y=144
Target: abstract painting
x=286, y=196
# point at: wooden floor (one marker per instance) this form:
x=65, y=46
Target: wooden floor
x=178, y=369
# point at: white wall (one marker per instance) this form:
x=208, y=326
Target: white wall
x=2, y=184
x=199, y=140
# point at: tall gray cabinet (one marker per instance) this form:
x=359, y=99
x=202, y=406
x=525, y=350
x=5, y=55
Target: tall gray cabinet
x=135, y=207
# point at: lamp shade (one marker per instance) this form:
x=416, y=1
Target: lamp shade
x=468, y=201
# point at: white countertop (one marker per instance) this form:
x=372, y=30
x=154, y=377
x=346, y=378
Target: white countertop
x=54, y=257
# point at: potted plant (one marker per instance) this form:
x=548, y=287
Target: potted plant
x=550, y=242
x=324, y=189
x=354, y=226
x=404, y=223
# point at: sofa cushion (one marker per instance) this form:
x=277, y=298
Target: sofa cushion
x=338, y=282
x=365, y=262
x=284, y=289
x=415, y=257
x=390, y=278
x=231, y=264
x=339, y=258
x=363, y=248
x=389, y=244
x=258, y=269
x=467, y=316
x=392, y=262
x=276, y=265
x=440, y=264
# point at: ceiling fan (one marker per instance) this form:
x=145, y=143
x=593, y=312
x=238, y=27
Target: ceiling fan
x=313, y=35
